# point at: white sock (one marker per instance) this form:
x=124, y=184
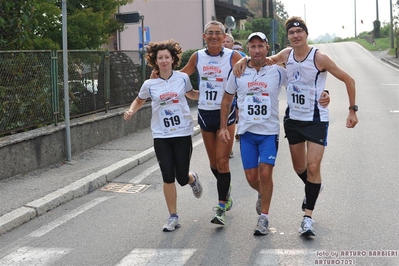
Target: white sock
x=264, y=214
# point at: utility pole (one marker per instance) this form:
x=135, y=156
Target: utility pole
x=392, y=32
x=66, y=83
x=271, y=11
x=376, y=3
x=355, y=19
x=264, y=8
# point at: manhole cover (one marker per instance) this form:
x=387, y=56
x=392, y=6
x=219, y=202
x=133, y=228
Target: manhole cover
x=125, y=188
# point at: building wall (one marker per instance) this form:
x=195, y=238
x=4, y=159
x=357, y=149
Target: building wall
x=182, y=20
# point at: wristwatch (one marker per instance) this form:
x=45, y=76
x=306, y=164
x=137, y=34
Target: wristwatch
x=354, y=108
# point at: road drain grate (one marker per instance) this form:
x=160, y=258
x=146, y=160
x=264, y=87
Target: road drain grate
x=125, y=188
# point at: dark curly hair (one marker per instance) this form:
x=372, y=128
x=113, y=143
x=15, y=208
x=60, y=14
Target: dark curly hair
x=171, y=45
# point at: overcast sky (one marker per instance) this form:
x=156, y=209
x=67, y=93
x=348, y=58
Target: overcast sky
x=328, y=16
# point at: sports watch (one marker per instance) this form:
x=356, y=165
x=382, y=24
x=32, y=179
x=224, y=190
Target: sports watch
x=354, y=108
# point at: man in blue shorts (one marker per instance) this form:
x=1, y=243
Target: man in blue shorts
x=258, y=125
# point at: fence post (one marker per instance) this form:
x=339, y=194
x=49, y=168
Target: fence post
x=54, y=86
x=107, y=92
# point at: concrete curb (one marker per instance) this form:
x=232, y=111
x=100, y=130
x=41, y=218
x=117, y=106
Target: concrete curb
x=390, y=62
x=74, y=190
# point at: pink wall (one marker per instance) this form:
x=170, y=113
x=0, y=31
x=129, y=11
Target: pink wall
x=168, y=19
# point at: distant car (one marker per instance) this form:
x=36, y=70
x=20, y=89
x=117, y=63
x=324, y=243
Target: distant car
x=90, y=85
x=93, y=88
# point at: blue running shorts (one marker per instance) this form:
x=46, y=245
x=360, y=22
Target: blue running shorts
x=257, y=149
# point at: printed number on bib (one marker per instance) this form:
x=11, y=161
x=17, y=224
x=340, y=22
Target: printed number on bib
x=298, y=97
x=257, y=107
x=172, y=119
x=211, y=91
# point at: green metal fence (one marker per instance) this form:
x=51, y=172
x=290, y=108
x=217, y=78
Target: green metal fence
x=32, y=85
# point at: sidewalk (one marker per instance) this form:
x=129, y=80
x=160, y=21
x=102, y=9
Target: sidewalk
x=385, y=57
x=394, y=61
x=23, y=198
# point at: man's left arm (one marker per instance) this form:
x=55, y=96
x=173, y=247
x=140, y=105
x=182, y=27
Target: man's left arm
x=324, y=62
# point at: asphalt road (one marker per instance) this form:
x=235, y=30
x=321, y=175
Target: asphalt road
x=357, y=214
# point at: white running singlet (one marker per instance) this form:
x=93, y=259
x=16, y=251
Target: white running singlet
x=305, y=85
x=213, y=71
x=171, y=116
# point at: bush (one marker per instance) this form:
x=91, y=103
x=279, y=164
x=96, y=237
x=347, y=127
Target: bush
x=241, y=35
x=25, y=91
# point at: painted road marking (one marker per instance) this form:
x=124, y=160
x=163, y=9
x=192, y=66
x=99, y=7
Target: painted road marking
x=28, y=256
x=157, y=257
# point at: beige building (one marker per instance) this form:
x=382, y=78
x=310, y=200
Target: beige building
x=182, y=20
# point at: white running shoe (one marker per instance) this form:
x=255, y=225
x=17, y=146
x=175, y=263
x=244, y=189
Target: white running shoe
x=306, y=228
x=262, y=228
x=171, y=224
x=196, y=187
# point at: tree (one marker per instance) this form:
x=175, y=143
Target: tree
x=262, y=25
x=91, y=22
x=280, y=11
x=37, y=24
x=255, y=6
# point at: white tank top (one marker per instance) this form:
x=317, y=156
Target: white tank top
x=171, y=116
x=305, y=85
x=213, y=71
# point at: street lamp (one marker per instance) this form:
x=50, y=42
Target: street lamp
x=230, y=23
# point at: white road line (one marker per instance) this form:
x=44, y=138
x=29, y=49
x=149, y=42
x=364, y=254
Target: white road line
x=157, y=257
x=138, y=179
x=297, y=257
x=54, y=224
x=28, y=256
x=47, y=228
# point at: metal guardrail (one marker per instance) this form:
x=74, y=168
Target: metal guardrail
x=31, y=85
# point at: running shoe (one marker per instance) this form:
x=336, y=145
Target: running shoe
x=196, y=187
x=220, y=216
x=262, y=228
x=229, y=200
x=306, y=228
x=258, y=205
x=171, y=224
x=304, y=199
